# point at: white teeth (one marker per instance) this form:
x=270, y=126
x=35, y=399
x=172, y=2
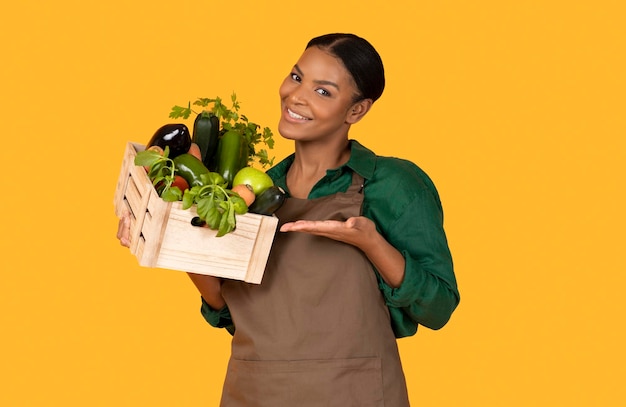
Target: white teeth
x=296, y=116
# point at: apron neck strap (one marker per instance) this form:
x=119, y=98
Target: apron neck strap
x=357, y=183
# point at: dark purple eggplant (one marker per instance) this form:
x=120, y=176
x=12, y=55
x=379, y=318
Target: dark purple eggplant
x=176, y=136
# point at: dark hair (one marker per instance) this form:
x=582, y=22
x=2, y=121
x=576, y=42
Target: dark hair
x=360, y=59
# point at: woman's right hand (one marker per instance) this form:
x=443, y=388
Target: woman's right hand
x=123, y=229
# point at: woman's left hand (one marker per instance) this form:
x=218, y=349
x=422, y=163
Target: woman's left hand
x=355, y=231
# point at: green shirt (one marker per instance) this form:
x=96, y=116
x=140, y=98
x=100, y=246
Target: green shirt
x=405, y=206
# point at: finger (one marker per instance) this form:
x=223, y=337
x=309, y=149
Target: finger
x=308, y=226
x=125, y=241
x=299, y=226
x=121, y=224
x=120, y=227
x=293, y=226
x=123, y=230
x=286, y=227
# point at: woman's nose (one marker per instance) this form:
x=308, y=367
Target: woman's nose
x=297, y=95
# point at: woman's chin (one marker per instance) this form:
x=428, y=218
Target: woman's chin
x=287, y=131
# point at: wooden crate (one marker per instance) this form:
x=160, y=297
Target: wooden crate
x=162, y=235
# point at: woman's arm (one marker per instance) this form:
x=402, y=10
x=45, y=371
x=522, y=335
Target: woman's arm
x=210, y=289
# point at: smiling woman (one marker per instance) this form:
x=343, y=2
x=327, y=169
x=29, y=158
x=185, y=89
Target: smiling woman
x=362, y=257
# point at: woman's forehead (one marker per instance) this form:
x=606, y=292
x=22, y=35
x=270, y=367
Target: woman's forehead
x=319, y=64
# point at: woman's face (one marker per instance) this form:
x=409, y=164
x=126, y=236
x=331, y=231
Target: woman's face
x=316, y=98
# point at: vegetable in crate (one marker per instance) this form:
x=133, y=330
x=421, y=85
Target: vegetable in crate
x=232, y=153
x=195, y=151
x=216, y=205
x=161, y=171
x=246, y=192
x=206, y=131
x=190, y=168
x=268, y=202
x=173, y=135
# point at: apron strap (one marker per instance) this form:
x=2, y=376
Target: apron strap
x=357, y=183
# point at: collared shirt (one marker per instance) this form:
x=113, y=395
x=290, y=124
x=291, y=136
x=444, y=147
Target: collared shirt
x=404, y=204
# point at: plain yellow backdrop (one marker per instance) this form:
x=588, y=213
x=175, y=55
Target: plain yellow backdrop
x=515, y=109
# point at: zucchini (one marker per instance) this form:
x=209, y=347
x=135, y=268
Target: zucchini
x=206, y=129
x=268, y=201
x=230, y=155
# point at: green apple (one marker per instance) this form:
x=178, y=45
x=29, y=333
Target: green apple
x=257, y=179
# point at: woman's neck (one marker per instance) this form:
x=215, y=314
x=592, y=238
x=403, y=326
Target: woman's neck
x=312, y=157
x=311, y=162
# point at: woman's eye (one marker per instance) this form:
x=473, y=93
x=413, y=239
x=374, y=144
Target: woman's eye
x=295, y=77
x=323, y=92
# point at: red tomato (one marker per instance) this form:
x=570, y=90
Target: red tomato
x=180, y=182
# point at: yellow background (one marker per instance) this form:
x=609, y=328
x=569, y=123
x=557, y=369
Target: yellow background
x=515, y=109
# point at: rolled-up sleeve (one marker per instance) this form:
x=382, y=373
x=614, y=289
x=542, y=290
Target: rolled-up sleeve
x=217, y=318
x=423, y=297
x=428, y=294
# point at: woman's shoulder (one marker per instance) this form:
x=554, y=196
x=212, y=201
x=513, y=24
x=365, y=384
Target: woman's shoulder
x=390, y=173
x=403, y=174
x=397, y=184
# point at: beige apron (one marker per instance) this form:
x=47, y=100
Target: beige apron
x=316, y=331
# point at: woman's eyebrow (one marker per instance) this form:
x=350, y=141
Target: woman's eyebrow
x=319, y=82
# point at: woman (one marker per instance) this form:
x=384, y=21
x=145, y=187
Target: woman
x=362, y=257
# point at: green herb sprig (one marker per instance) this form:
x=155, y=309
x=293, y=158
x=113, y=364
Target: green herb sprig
x=161, y=172
x=215, y=204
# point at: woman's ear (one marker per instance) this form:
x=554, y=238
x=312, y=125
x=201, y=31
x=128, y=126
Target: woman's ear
x=358, y=110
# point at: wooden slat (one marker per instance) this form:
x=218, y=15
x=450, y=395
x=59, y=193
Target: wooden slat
x=261, y=250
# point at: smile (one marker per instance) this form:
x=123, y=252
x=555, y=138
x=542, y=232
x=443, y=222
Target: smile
x=296, y=116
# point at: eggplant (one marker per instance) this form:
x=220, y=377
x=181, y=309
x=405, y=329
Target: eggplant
x=176, y=136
